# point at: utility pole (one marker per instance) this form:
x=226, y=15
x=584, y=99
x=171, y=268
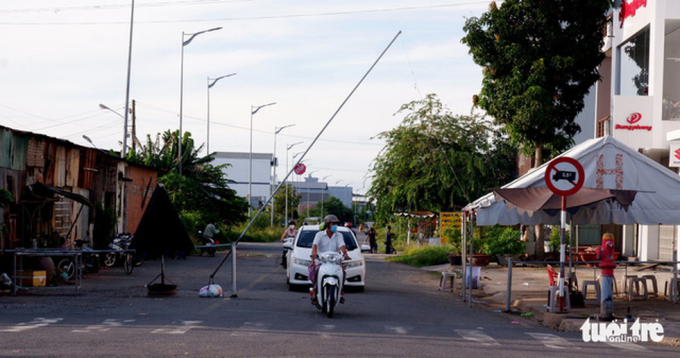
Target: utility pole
x=134, y=126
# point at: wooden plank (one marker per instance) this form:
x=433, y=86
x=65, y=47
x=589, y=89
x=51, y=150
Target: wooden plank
x=645, y=267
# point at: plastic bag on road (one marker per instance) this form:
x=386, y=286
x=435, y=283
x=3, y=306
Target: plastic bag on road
x=211, y=291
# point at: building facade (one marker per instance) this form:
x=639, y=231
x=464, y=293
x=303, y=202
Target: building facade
x=638, y=101
x=238, y=170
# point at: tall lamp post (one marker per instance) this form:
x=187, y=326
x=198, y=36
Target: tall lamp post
x=253, y=110
x=181, y=89
x=322, y=196
x=210, y=84
x=276, y=131
x=123, y=153
x=285, y=184
x=308, y=190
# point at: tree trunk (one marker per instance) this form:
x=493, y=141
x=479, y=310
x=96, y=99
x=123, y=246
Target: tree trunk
x=540, y=235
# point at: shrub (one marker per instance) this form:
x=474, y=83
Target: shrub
x=423, y=256
x=503, y=241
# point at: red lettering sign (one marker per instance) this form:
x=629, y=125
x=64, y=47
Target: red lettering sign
x=629, y=9
x=677, y=154
x=632, y=119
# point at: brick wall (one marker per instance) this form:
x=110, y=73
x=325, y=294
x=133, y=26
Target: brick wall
x=138, y=195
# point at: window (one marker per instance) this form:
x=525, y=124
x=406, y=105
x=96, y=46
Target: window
x=671, y=72
x=633, y=76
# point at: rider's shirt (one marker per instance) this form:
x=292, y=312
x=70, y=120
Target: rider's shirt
x=325, y=243
x=290, y=232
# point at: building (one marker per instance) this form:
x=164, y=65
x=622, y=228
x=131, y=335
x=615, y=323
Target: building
x=56, y=186
x=238, y=170
x=314, y=192
x=638, y=103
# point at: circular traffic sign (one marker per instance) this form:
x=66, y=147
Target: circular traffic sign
x=564, y=176
x=300, y=169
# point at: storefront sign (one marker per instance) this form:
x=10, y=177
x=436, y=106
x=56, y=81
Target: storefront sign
x=631, y=126
x=446, y=220
x=628, y=9
x=674, y=155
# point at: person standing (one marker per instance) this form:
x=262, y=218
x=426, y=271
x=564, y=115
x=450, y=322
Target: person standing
x=388, y=240
x=373, y=243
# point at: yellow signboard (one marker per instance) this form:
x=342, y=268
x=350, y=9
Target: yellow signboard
x=448, y=219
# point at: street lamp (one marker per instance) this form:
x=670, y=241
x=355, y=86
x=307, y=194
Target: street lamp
x=210, y=84
x=308, y=190
x=90, y=141
x=253, y=110
x=322, y=194
x=181, y=89
x=276, y=131
x=285, y=184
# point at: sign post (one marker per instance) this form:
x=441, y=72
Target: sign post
x=564, y=176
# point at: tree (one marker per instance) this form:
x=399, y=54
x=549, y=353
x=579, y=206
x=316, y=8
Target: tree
x=539, y=60
x=202, y=187
x=280, y=201
x=438, y=161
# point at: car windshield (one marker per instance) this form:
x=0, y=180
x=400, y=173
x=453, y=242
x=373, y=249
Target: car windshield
x=307, y=238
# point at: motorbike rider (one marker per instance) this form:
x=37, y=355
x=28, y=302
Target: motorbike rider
x=208, y=233
x=290, y=231
x=325, y=240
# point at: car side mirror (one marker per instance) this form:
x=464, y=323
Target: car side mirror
x=365, y=248
x=288, y=245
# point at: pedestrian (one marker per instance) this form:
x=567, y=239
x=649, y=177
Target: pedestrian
x=388, y=240
x=372, y=241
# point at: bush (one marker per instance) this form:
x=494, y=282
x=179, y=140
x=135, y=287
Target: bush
x=503, y=241
x=423, y=256
x=556, y=238
x=256, y=233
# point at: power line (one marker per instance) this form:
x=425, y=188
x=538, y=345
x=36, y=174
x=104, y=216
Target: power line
x=55, y=8
x=270, y=17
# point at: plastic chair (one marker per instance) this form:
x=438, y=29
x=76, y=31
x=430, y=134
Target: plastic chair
x=446, y=278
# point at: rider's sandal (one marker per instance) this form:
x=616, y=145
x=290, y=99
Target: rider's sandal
x=315, y=302
x=342, y=299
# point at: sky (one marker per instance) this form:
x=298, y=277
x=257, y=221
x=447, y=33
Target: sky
x=61, y=59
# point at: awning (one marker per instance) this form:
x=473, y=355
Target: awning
x=40, y=190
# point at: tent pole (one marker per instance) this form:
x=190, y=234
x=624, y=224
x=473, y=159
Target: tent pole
x=462, y=251
x=468, y=279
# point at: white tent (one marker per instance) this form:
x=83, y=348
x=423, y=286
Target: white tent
x=608, y=164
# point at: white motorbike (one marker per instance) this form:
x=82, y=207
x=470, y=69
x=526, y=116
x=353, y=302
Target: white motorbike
x=287, y=246
x=329, y=282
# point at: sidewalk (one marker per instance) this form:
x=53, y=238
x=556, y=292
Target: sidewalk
x=530, y=293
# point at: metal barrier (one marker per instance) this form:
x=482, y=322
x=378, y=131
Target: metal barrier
x=625, y=264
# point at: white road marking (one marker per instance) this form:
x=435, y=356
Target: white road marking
x=326, y=328
x=630, y=346
x=37, y=322
x=477, y=337
x=105, y=326
x=553, y=341
x=397, y=329
x=249, y=329
x=182, y=328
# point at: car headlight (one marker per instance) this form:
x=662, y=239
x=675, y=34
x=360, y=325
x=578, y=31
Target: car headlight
x=303, y=262
x=350, y=264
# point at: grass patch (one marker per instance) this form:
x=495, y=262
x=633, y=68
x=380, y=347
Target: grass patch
x=423, y=256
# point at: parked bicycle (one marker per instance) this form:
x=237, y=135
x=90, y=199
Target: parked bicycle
x=90, y=261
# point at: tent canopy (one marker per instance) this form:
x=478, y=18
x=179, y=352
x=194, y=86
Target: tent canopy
x=161, y=231
x=608, y=164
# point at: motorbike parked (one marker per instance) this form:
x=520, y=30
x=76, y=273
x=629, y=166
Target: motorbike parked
x=90, y=261
x=120, y=242
x=330, y=280
x=208, y=241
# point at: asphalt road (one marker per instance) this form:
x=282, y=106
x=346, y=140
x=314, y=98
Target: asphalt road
x=400, y=314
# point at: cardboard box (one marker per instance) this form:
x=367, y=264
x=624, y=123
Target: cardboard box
x=32, y=278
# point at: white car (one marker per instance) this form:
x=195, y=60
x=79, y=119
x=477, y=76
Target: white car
x=299, y=258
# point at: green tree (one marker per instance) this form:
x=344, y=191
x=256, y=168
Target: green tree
x=280, y=202
x=202, y=187
x=438, y=161
x=539, y=60
x=336, y=207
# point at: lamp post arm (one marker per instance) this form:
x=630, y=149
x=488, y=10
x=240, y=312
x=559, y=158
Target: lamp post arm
x=186, y=42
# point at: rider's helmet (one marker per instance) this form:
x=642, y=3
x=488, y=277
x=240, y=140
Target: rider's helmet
x=330, y=219
x=292, y=222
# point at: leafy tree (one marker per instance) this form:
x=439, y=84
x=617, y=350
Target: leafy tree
x=438, y=161
x=540, y=59
x=280, y=202
x=336, y=207
x=202, y=187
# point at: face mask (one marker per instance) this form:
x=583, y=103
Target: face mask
x=334, y=228
x=291, y=226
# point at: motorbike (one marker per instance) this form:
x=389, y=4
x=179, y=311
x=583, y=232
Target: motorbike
x=90, y=261
x=330, y=280
x=287, y=246
x=120, y=242
x=208, y=241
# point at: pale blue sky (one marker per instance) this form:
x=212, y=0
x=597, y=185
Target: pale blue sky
x=61, y=58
